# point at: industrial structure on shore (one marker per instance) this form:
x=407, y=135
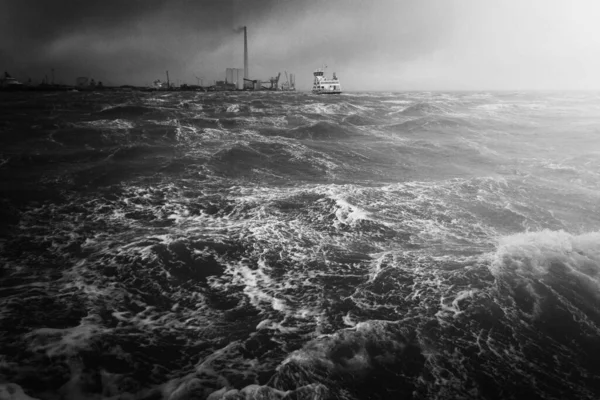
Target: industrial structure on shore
x=239, y=79
x=235, y=79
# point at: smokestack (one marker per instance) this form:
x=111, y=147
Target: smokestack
x=245, y=54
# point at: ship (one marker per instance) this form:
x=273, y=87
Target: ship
x=323, y=85
x=9, y=82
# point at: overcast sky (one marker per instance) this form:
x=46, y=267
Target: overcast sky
x=385, y=45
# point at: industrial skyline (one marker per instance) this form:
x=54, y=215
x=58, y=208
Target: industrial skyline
x=382, y=45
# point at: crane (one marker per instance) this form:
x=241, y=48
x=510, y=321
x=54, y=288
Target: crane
x=289, y=84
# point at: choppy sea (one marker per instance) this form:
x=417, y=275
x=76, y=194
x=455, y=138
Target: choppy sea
x=179, y=245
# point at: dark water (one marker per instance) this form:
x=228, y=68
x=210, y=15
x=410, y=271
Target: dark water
x=279, y=245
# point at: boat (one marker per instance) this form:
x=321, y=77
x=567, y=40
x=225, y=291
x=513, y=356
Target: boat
x=10, y=83
x=323, y=85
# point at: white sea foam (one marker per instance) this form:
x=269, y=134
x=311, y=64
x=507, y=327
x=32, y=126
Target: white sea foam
x=12, y=391
x=531, y=254
x=233, y=108
x=64, y=342
x=109, y=124
x=346, y=213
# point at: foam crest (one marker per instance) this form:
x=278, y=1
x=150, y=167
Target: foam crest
x=320, y=108
x=348, y=214
x=233, y=108
x=109, y=124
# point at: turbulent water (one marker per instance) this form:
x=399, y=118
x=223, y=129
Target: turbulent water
x=291, y=246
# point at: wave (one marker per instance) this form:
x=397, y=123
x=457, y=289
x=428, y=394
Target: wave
x=323, y=130
x=366, y=356
x=550, y=275
x=127, y=111
x=259, y=245
x=351, y=361
x=270, y=160
x=361, y=120
x=422, y=109
x=431, y=123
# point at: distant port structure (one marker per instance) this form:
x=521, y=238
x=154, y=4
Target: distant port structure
x=239, y=78
x=236, y=79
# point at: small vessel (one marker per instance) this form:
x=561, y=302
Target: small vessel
x=9, y=82
x=323, y=85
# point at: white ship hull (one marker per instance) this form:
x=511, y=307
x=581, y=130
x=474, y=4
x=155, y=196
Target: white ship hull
x=327, y=91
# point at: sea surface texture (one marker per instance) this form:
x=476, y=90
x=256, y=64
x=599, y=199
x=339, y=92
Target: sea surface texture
x=289, y=246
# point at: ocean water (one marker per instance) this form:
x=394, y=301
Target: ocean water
x=290, y=246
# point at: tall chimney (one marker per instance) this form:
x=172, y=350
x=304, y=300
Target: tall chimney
x=245, y=54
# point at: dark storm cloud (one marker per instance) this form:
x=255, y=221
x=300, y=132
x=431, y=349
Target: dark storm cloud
x=42, y=20
x=373, y=45
x=77, y=36
x=39, y=21
x=360, y=40
x=135, y=41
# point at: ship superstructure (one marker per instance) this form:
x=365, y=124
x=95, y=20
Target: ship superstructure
x=324, y=85
x=9, y=82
